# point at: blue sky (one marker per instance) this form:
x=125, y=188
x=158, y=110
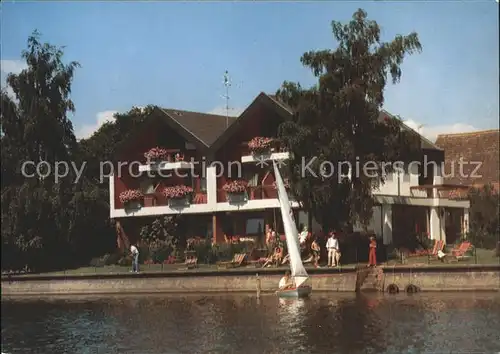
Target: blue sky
x=174, y=54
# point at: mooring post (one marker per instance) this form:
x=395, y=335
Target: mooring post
x=258, y=285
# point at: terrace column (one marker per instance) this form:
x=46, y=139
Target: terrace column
x=438, y=180
x=211, y=173
x=111, y=195
x=217, y=232
x=387, y=223
x=437, y=223
x=465, y=226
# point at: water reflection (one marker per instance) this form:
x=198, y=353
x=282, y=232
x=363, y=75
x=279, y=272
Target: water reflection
x=229, y=324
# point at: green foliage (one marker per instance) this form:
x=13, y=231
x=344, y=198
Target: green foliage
x=484, y=225
x=46, y=224
x=160, y=237
x=338, y=120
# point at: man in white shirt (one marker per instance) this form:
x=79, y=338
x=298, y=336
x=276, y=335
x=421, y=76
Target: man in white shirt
x=135, y=258
x=332, y=245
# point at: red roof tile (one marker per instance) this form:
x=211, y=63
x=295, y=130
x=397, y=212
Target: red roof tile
x=473, y=148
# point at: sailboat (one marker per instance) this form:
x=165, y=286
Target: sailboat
x=297, y=269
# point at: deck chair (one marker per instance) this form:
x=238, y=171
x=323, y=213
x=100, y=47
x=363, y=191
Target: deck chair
x=438, y=247
x=237, y=261
x=191, y=262
x=459, y=252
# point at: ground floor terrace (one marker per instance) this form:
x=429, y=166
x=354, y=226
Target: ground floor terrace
x=392, y=223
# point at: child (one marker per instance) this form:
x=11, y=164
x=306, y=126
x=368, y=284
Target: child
x=315, y=248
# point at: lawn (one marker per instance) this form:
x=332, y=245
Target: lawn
x=480, y=257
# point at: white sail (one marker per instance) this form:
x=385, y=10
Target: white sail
x=292, y=236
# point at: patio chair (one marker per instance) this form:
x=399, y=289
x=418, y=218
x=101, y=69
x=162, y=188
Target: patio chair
x=237, y=261
x=191, y=262
x=458, y=253
x=438, y=247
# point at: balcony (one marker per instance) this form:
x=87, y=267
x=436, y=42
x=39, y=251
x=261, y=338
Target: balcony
x=158, y=200
x=174, y=160
x=444, y=191
x=275, y=152
x=253, y=193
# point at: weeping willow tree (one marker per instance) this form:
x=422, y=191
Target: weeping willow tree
x=337, y=121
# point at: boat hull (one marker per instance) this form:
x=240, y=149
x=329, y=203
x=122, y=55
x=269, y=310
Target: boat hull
x=300, y=292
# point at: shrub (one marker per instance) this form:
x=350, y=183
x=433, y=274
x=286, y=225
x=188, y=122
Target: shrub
x=160, y=235
x=113, y=258
x=125, y=261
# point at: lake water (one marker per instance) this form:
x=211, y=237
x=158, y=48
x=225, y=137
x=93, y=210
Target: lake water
x=325, y=323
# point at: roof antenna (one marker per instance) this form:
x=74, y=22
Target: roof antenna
x=227, y=83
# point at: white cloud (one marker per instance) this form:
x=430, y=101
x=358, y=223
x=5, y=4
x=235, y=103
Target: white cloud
x=432, y=131
x=221, y=111
x=86, y=130
x=9, y=66
x=12, y=66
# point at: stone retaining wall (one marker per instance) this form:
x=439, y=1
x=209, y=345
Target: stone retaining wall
x=444, y=281
x=427, y=279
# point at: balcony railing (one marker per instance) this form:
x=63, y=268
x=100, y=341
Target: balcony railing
x=253, y=193
x=158, y=199
x=275, y=148
x=454, y=192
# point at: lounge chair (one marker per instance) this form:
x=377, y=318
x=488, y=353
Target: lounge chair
x=459, y=251
x=191, y=262
x=237, y=261
x=438, y=247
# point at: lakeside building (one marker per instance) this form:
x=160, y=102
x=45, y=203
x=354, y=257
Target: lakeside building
x=407, y=203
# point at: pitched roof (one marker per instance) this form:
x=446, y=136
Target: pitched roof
x=424, y=142
x=211, y=130
x=475, y=147
x=204, y=127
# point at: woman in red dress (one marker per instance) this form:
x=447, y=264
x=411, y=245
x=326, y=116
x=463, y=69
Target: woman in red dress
x=372, y=255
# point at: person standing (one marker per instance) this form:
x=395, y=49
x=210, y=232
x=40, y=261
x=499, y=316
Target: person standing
x=135, y=258
x=316, y=251
x=372, y=255
x=332, y=245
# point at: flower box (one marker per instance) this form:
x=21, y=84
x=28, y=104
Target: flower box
x=236, y=191
x=131, y=199
x=236, y=186
x=261, y=145
x=156, y=155
x=178, y=196
x=239, y=197
x=177, y=192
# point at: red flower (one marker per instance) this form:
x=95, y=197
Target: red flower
x=156, y=154
x=131, y=195
x=260, y=144
x=237, y=186
x=177, y=192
